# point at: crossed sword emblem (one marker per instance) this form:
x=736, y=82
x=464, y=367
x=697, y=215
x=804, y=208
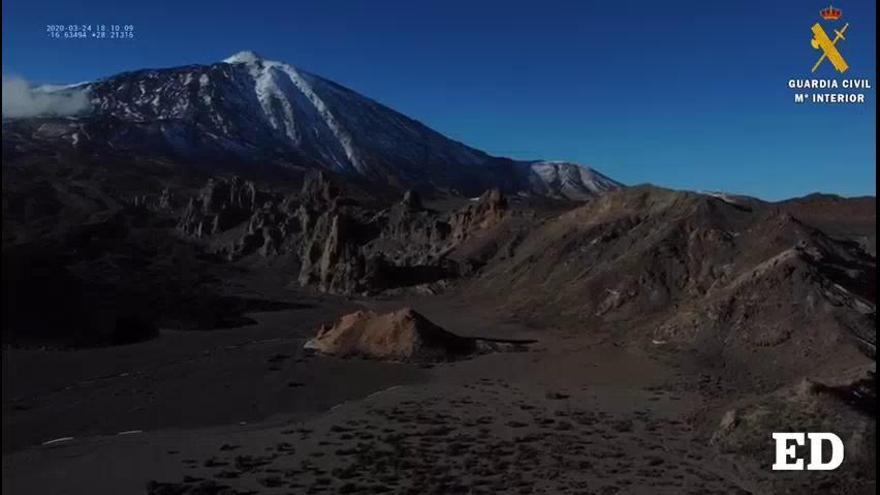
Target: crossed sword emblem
x=821, y=41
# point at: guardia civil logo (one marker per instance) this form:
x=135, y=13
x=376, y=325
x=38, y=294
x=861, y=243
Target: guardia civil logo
x=827, y=85
x=829, y=47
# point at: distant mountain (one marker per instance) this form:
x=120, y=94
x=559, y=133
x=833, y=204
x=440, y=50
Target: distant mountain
x=255, y=110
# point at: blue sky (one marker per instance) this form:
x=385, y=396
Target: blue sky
x=686, y=94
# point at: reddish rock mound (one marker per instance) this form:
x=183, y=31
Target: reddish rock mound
x=402, y=335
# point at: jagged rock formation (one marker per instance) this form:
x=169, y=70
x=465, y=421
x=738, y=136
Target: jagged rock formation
x=402, y=335
x=348, y=250
x=269, y=230
x=260, y=221
x=343, y=246
x=221, y=204
x=330, y=258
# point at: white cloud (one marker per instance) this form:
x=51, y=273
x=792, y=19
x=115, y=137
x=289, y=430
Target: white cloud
x=21, y=100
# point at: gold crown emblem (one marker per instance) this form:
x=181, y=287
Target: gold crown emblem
x=831, y=13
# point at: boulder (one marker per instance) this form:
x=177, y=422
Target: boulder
x=402, y=335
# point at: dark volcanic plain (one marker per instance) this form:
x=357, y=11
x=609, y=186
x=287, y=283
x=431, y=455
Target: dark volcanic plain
x=154, y=318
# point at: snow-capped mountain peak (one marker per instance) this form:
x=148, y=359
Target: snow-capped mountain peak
x=250, y=109
x=244, y=57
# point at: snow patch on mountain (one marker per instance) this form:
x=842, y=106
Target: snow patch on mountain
x=568, y=180
x=279, y=86
x=330, y=121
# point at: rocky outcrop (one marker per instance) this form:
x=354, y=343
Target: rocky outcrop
x=402, y=335
x=348, y=249
x=486, y=212
x=237, y=219
x=343, y=246
x=220, y=205
x=269, y=232
x=416, y=236
x=331, y=258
